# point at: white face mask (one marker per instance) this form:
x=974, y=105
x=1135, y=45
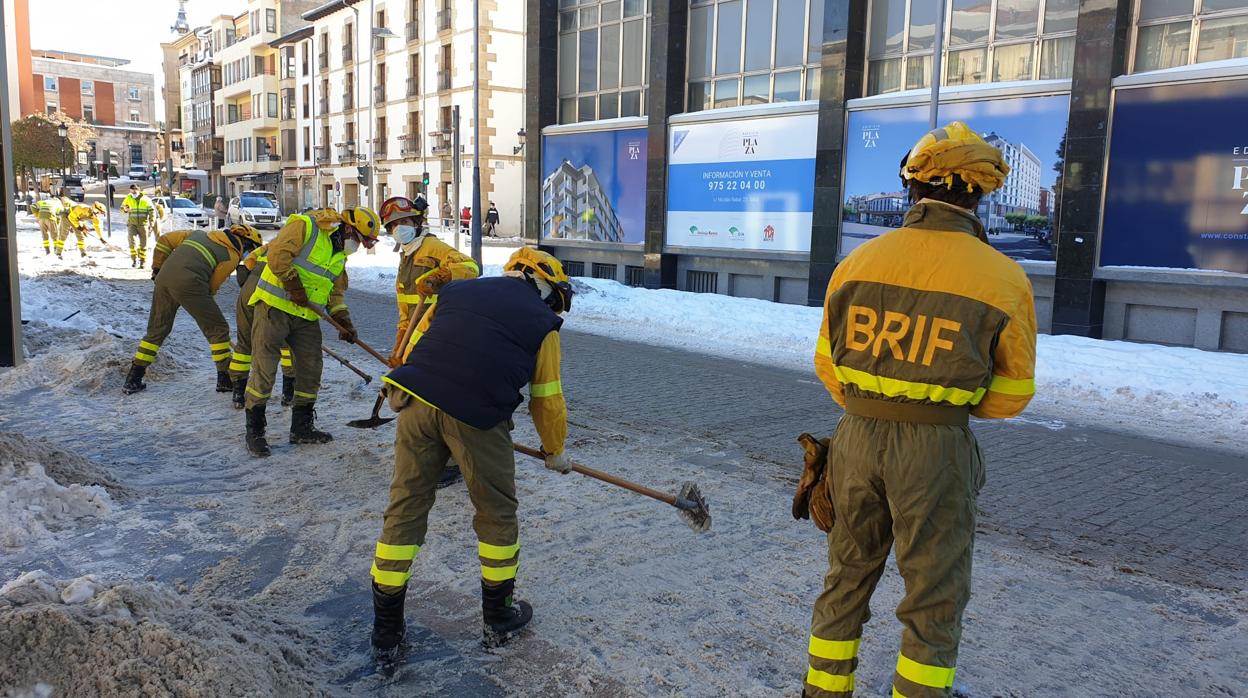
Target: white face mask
x=405, y=234
x=350, y=246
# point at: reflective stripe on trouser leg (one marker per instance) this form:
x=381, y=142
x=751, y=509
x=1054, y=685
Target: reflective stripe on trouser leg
x=918, y=679
x=392, y=565
x=858, y=547
x=486, y=458
x=419, y=457
x=244, y=315
x=146, y=353
x=270, y=328
x=304, y=341
x=286, y=360
x=240, y=364
x=159, y=324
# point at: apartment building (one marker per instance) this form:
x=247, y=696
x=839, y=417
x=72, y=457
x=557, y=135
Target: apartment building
x=296, y=74
x=120, y=103
x=385, y=97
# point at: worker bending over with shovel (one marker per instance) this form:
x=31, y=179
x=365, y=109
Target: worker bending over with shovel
x=305, y=278
x=923, y=327
x=188, y=268
x=426, y=264
x=78, y=219
x=455, y=394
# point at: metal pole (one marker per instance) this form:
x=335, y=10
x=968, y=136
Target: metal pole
x=455, y=171
x=169, y=159
x=476, y=131
x=934, y=116
x=372, y=106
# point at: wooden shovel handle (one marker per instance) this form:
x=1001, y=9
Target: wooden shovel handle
x=359, y=342
x=407, y=334
x=599, y=475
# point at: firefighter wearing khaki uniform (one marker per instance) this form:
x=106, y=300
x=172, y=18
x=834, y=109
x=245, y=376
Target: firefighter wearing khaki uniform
x=139, y=212
x=248, y=275
x=188, y=268
x=77, y=222
x=48, y=213
x=455, y=393
x=923, y=327
x=305, y=276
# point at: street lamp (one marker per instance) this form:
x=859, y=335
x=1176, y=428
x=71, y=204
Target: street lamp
x=524, y=180
x=63, y=131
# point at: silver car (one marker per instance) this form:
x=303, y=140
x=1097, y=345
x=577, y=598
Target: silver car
x=187, y=209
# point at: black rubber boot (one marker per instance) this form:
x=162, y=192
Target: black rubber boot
x=134, y=380
x=240, y=394
x=257, y=445
x=288, y=390
x=389, y=628
x=142, y=262
x=224, y=384
x=503, y=616
x=303, y=428
x=450, y=476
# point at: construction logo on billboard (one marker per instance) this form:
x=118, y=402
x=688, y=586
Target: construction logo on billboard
x=769, y=234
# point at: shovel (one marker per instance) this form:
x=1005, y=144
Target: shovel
x=358, y=342
x=330, y=353
x=689, y=502
x=375, y=419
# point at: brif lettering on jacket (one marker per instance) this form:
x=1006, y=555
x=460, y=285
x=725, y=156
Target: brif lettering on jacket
x=909, y=338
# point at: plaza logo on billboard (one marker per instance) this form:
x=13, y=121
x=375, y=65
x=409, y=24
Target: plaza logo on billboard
x=634, y=150
x=749, y=143
x=870, y=136
x=769, y=234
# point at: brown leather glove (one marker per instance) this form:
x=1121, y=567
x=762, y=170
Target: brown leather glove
x=813, y=500
x=294, y=288
x=347, y=333
x=431, y=282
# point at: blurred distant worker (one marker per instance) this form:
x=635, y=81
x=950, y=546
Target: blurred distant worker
x=446, y=214
x=48, y=213
x=248, y=275
x=426, y=264
x=80, y=217
x=305, y=273
x=465, y=219
x=491, y=221
x=221, y=211
x=158, y=215
x=482, y=342
x=923, y=327
x=189, y=267
x=62, y=222
x=139, y=209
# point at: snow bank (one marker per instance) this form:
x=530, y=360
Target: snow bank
x=32, y=505
x=88, y=637
x=1193, y=394
x=62, y=466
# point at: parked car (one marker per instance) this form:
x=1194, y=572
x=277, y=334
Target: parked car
x=137, y=172
x=254, y=210
x=266, y=194
x=73, y=188
x=187, y=209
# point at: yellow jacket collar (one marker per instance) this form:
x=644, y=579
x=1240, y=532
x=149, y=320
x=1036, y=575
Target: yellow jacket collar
x=931, y=214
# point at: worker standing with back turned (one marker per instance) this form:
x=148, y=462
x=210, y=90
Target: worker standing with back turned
x=48, y=213
x=455, y=393
x=248, y=275
x=138, y=209
x=923, y=327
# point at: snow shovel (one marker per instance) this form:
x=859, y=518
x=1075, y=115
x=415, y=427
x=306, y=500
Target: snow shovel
x=375, y=419
x=330, y=353
x=358, y=342
x=689, y=502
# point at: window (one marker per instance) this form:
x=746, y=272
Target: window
x=753, y=51
x=272, y=104
x=602, y=59
x=134, y=116
x=1172, y=33
x=49, y=84
x=88, y=87
x=985, y=41
x=88, y=113
x=270, y=20
x=52, y=108
x=134, y=94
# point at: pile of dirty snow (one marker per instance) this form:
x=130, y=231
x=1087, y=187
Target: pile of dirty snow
x=64, y=467
x=33, y=505
x=88, y=637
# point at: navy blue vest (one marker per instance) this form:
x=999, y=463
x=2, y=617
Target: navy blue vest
x=480, y=350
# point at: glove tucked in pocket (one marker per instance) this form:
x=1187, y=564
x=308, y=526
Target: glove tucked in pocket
x=813, y=500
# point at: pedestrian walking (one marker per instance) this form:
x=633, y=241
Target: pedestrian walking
x=446, y=215
x=491, y=221
x=220, y=210
x=111, y=193
x=465, y=219
x=922, y=328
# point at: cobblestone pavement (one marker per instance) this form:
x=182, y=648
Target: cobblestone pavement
x=1172, y=512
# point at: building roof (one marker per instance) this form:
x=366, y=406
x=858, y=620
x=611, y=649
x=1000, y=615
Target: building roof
x=297, y=35
x=90, y=59
x=328, y=9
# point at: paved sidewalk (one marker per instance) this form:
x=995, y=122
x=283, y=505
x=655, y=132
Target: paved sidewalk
x=1172, y=512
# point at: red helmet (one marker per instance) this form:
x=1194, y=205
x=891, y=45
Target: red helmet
x=396, y=208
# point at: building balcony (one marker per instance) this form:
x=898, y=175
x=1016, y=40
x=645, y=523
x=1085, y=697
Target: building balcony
x=321, y=154
x=413, y=31
x=348, y=54
x=323, y=106
x=244, y=167
x=409, y=145
x=413, y=87
x=379, y=147
x=346, y=151
x=348, y=101
x=322, y=61
x=444, y=80
x=379, y=94
x=444, y=20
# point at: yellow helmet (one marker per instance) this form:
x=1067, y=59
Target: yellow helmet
x=955, y=156
x=99, y=208
x=364, y=220
x=544, y=266
x=246, y=232
x=326, y=218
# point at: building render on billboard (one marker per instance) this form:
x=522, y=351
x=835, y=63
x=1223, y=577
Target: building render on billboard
x=575, y=206
x=1021, y=191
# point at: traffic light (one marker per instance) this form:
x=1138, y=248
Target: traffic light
x=425, y=179
x=155, y=172
x=365, y=175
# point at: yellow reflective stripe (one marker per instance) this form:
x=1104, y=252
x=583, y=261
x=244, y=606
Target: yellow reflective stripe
x=416, y=335
x=835, y=683
x=212, y=261
x=236, y=366
x=497, y=552
x=333, y=310
x=896, y=693
x=163, y=248
x=894, y=387
x=1012, y=386
x=285, y=353
x=836, y=650
x=410, y=298
x=242, y=357
x=262, y=396
x=399, y=553
x=218, y=345
x=310, y=396
x=287, y=363
x=823, y=347
x=924, y=674
x=144, y=357
x=499, y=574
x=389, y=381
x=220, y=357
x=472, y=263
x=390, y=579
x=550, y=389
x=149, y=346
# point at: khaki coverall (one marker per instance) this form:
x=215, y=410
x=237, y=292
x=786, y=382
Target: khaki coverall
x=274, y=328
x=76, y=222
x=244, y=321
x=48, y=213
x=427, y=437
x=431, y=255
x=191, y=266
x=922, y=327
x=139, y=209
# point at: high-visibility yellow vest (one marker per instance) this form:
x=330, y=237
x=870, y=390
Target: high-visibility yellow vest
x=47, y=208
x=140, y=207
x=317, y=265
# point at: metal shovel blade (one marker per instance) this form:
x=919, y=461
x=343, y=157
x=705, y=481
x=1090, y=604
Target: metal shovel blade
x=693, y=509
x=369, y=423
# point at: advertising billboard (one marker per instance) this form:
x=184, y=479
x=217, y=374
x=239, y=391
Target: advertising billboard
x=1176, y=194
x=594, y=186
x=742, y=185
x=1019, y=216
